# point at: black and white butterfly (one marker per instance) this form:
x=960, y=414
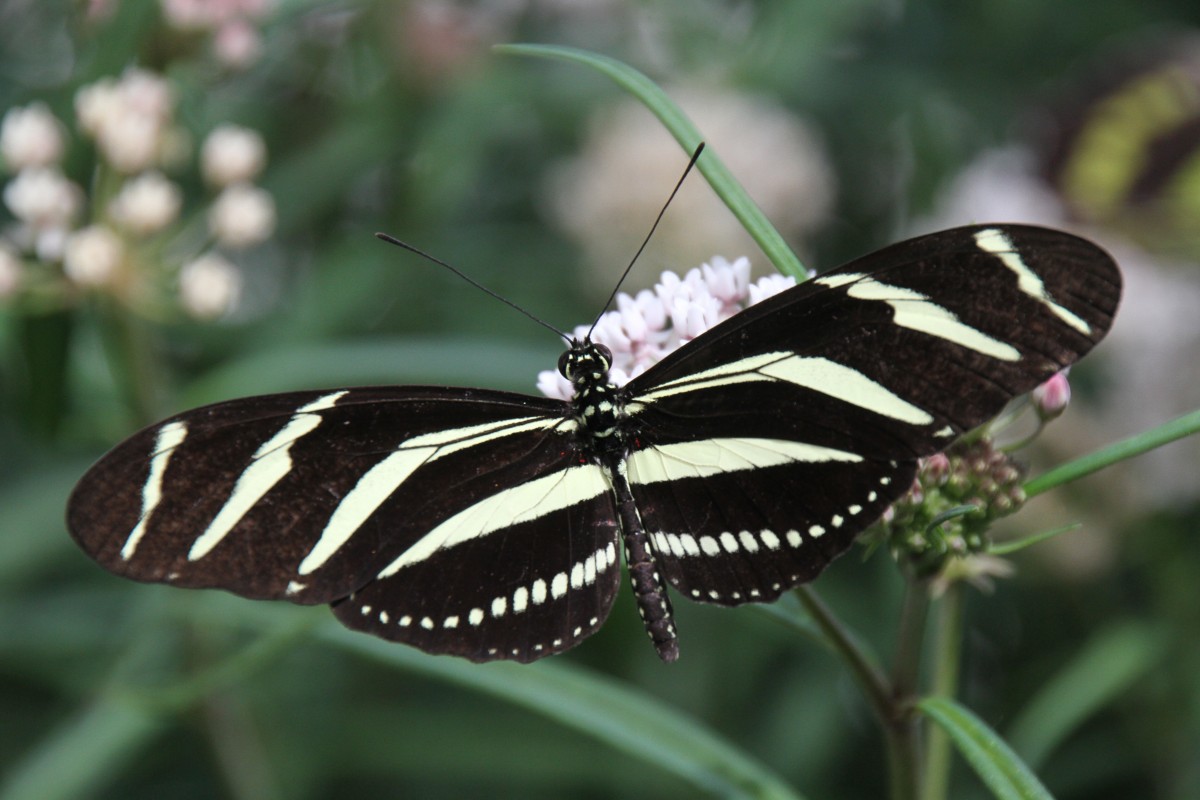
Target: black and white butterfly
x=489, y=525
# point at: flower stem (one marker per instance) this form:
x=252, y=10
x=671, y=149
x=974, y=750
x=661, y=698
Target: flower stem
x=902, y=727
x=132, y=357
x=867, y=674
x=947, y=655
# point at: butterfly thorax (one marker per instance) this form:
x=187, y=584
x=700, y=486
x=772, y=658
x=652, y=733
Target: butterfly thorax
x=597, y=404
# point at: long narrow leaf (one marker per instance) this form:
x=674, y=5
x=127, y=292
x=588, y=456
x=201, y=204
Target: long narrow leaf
x=628, y=721
x=1179, y=428
x=994, y=762
x=86, y=750
x=1104, y=668
x=686, y=133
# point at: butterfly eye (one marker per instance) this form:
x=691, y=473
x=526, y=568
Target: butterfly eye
x=605, y=355
x=565, y=361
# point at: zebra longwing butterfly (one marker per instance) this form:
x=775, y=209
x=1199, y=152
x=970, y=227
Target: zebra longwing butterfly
x=487, y=524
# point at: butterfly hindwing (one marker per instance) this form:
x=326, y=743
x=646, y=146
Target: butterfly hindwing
x=743, y=520
x=540, y=588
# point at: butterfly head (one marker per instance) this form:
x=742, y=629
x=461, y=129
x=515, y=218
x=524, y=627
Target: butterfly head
x=585, y=362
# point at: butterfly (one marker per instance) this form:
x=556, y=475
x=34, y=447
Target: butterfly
x=491, y=525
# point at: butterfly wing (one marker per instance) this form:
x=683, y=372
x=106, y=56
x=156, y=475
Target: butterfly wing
x=429, y=505
x=765, y=445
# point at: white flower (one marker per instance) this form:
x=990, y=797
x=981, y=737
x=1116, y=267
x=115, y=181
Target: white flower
x=11, y=268
x=95, y=104
x=131, y=142
x=30, y=137
x=647, y=327
x=92, y=256
x=232, y=154
x=128, y=118
x=209, y=286
x=50, y=243
x=146, y=94
x=242, y=215
x=769, y=285
x=42, y=197
x=146, y=204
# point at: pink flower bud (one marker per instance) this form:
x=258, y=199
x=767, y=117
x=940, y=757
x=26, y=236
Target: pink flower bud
x=1051, y=398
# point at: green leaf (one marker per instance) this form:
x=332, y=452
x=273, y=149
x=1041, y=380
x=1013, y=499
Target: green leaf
x=83, y=753
x=1186, y=425
x=1100, y=671
x=31, y=519
x=688, y=136
x=951, y=513
x=626, y=720
x=1006, y=548
x=994, y=762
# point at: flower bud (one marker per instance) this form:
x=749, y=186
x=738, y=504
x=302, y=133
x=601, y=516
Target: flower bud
x=242, y=215
x=92, y=256
x=1051, y=398
x=210, y=286
x=30, y=137
x=232, y=154
x=42, y=197
x=237, y=44
x=146, y=204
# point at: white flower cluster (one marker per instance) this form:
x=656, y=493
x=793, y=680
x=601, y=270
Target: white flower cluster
x=648, y=326
x=233, y=24
x=131, y=119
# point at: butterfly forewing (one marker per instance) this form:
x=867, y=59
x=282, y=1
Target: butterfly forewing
x=305, y=496
x=488, y=525
x=896, y=353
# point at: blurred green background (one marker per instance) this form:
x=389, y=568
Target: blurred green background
x=853, y=124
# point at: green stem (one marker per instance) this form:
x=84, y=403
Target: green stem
x=869, y=678
x=947, y=656
x=902, y=727
x=133, y=363
x=688, y=135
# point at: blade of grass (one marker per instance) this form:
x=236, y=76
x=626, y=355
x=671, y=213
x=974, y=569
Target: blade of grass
x=1101, y=670
x=1007, y=548
x=688, y=136
x=624, y=719
x=1000, y=769
x=84, y=752
x=1179, y=428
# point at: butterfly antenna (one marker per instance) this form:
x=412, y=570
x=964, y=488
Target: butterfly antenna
x=393, y=240
x=646, y=241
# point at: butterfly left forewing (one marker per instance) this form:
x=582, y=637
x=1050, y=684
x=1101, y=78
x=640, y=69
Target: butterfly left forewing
x=305, y=496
